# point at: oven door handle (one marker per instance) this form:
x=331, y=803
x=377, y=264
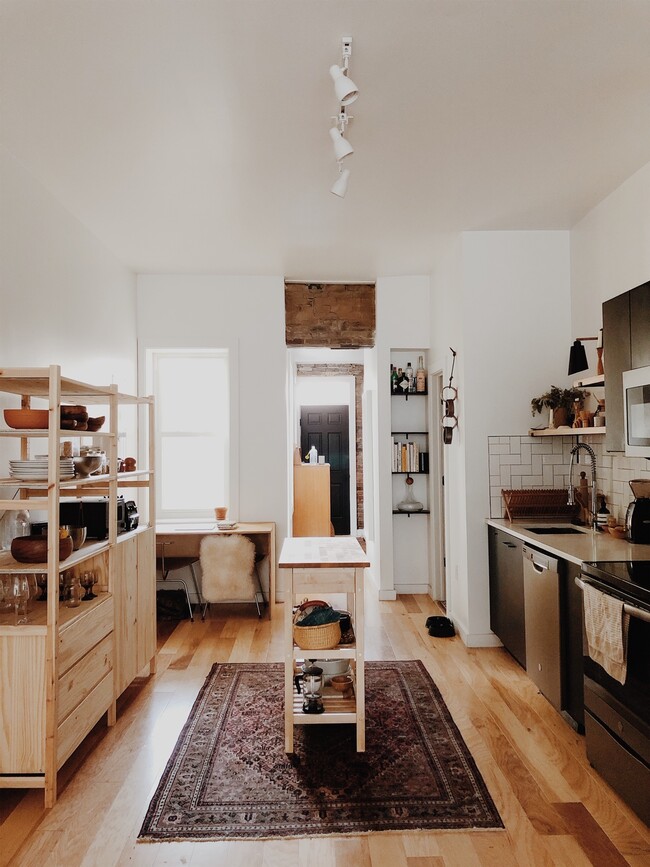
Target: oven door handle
x=632, y=610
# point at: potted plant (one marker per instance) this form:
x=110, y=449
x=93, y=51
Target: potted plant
x=562, y=403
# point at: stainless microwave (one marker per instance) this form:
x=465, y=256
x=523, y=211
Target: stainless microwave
x=636, y=392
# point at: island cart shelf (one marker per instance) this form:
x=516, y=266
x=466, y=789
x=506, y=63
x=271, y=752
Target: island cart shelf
x=317, y=566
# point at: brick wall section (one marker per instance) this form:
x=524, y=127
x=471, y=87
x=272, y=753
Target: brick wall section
x=335, y=315
x=355, y=370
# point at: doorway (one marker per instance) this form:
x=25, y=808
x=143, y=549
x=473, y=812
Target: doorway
x=327, y=429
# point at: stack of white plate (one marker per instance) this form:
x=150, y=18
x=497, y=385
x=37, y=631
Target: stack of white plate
x=35, y=470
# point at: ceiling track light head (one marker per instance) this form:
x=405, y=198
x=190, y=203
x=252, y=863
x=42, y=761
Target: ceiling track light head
x=340, y=186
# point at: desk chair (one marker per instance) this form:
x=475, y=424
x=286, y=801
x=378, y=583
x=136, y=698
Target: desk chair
x=166, y=565
x=228, y=564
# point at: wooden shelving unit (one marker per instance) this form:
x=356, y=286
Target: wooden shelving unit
x=64, y=668
x=315, y=567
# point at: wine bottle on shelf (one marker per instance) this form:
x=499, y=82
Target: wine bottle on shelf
x=394, y=387
x=411, y=378
x=421, y=377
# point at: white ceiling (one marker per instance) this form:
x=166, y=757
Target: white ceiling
x=192, y=135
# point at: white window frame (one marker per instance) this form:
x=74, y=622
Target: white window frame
x=229, y=352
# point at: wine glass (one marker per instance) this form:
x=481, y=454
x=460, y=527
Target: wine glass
x=6, y=599
x=88, y=579
x=20, y=596
x=30, y=577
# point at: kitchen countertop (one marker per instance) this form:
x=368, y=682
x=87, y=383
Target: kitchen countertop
x=587, y=545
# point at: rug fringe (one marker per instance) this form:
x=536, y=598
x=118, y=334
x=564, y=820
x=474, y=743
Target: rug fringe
x=386, y=833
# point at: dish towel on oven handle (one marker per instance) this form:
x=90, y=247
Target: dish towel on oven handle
x=606, y=627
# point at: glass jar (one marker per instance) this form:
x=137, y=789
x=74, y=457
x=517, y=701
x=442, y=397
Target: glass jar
x=74, y=594
x=14, y=523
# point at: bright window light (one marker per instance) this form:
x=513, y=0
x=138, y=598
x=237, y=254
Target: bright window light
x=191, y=390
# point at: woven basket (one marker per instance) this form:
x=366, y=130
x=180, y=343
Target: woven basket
x=323, y=637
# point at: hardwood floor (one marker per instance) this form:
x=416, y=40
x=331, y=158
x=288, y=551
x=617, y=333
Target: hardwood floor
x=555, y=808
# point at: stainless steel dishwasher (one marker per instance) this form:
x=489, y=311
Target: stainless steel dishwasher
x=542, y=618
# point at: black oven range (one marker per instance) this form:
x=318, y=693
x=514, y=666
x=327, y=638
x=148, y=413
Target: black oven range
x=617, y=715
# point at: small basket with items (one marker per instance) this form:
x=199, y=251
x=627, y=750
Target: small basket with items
x=316, y=626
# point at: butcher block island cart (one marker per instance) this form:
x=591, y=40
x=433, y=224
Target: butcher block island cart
x=317, y=566
x=66, y=666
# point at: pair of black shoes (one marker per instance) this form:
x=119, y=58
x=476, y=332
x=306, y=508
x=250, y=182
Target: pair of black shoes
x=440, y=627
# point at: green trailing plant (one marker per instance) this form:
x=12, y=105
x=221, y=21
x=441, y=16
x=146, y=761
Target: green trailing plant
x=556, y=397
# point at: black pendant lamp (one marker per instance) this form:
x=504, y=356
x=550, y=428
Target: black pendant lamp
x=578, y=356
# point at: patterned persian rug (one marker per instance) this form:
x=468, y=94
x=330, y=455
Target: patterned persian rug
x=229, y=777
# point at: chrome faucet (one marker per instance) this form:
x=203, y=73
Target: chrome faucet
x=571, y=495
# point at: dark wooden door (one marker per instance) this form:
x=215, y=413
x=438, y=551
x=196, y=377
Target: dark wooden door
x=327, y=428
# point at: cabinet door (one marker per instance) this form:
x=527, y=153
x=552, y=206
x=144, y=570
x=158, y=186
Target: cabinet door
x=616, y=359
x=639, y=326
x=507, y=592
x=146, y=645
x=126, y=612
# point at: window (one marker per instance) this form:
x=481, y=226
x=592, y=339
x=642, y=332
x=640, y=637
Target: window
x=192, y=393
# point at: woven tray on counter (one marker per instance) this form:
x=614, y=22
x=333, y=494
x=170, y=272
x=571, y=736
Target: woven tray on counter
x=538, y=503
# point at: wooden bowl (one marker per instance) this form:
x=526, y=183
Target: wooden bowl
x=33, y=549
x=342, y=682
x=94, y=424
x=27, y=419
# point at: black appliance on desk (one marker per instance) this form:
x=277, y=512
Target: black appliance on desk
x=93, y=513
x=617, y=716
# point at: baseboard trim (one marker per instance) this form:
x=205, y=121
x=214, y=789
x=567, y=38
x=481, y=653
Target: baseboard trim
x=387, y=595
x=478, y=639
x=415, y=589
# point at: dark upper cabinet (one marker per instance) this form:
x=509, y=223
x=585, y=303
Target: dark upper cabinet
x=616, y=359
x=640, y=326
x=626, y=345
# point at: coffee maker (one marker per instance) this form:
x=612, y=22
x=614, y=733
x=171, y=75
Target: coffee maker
x=312, y=685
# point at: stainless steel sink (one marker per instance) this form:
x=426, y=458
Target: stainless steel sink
x=555, y=531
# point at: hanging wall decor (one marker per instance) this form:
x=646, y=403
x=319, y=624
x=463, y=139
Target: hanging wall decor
x=448, y=397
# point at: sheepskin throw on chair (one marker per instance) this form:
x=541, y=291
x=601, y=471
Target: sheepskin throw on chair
x=227, y=564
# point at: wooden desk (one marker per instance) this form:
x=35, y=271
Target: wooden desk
x=315, y=566
x=186, y=540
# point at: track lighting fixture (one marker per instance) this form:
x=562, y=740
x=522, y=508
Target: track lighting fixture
x=340, y=186
x=345, y=89
x=346, y=92
x=342, y=147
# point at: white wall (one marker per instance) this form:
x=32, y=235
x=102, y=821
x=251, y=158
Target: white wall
x=186, y=310
x=510, y=326
x=610, y=252
x=65, y=298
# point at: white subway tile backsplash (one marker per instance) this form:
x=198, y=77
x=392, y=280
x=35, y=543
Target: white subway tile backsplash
x=522, y=462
